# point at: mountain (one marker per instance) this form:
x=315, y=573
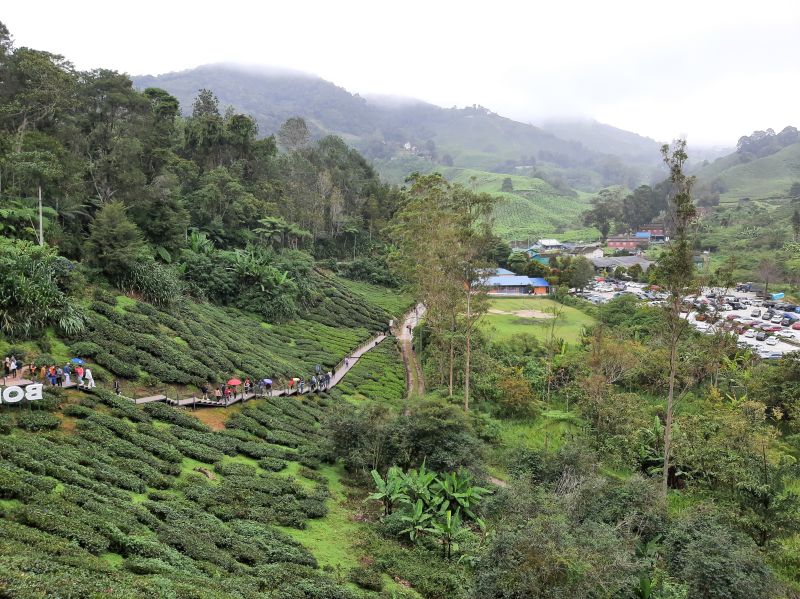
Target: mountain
x=419, y=135
x=604, y=138
x=764, y=166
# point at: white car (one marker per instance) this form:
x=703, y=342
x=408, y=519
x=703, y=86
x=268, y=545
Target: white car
x=777, y=319
x=785, y=334
x=772, y=341
x=749, y=333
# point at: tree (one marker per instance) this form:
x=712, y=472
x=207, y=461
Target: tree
x=606, y=209
x=676, y=270
x=796, y=224
x=767, y=271
x=115, y=243
x=294, y=135
x=443, y=235
x=580, y=272
x=33, y=291
x=508, y=185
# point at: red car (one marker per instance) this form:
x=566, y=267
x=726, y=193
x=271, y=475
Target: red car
x=796, y=326
x=773, y=329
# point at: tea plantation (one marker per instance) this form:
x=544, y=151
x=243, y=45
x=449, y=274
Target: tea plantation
x=200, y=343
x=150, y=502
x=379, y=375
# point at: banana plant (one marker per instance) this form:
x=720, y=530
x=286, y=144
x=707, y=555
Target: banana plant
x=419, y=521
x=419, y=485
x=389, y=491
x=458, y=493
x=447, y=527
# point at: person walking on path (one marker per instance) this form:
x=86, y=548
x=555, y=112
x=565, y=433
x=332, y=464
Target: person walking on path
x=204, y=390
x=67, y=373
x=79, y=373
x=14, y=367
x=59, y=377
x=90, y=379
x=218, y=395
x=117, y=388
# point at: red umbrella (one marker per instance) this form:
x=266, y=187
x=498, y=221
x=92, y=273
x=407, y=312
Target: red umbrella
x=234, y=382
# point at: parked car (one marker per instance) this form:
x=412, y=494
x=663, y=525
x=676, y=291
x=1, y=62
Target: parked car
x=773, y=329
x=785, y=334
x=796, y=326
x=749, y=333
x=787, y=322
x=755, y=313
x=777, y=319
x=760, y=336
x=767, y=315
x=772, y=341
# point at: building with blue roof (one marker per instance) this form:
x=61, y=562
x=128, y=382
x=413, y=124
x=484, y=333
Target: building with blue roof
x=516, y=285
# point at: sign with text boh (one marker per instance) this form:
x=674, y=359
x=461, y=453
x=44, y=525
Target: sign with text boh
x=14, y=394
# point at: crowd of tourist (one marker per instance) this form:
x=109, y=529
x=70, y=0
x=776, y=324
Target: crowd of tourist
x=225, y=393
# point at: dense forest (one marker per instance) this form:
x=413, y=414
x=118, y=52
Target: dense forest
x=635, y=458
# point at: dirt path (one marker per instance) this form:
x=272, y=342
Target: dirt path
x=416, y=382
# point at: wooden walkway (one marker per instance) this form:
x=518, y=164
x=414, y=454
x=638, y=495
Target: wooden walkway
x=338, y=373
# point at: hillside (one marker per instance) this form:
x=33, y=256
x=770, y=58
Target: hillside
x=600, y=137
x=764, y=166
x=533, y=209
x=471, y=137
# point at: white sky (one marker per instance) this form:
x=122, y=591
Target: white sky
x=712, y=70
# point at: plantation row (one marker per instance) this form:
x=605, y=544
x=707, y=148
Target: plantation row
x=85, y=512
x=204, y=343
x=379, y=375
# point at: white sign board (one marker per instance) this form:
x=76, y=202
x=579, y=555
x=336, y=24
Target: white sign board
x=14, y=394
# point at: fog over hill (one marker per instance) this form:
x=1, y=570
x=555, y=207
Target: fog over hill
x=391, y=128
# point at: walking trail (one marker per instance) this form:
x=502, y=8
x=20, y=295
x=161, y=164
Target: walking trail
x=338, y=373
x=415, y=382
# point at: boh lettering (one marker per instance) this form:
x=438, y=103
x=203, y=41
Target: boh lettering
x=14, y=394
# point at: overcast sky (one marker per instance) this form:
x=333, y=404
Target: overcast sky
x=711, y=70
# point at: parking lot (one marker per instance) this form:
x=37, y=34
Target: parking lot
x=771, y=338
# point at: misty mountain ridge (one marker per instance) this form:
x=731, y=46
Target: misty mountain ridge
x=396, y=131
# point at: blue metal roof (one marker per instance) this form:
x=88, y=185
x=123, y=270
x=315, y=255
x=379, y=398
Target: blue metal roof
x=503, y=271
x=643, y=234
x=507, y=281
x=515, y=281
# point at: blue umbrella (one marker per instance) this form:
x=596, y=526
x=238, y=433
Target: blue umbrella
x=76, y=361
x=267, y=381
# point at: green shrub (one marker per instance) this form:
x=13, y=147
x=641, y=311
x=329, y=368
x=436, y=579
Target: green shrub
x=6, y=423
x=367, y=578
x=37, y=421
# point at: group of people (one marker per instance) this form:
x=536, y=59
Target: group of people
x=319, y=382
x=12, y=367
x=59, y=376
x=54, y=375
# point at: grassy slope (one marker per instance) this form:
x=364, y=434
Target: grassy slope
x=504, y=326
x=534, y=208
x=393, y=301
x=768, y=177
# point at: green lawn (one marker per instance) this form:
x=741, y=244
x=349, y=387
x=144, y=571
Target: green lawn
x=569, y=324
